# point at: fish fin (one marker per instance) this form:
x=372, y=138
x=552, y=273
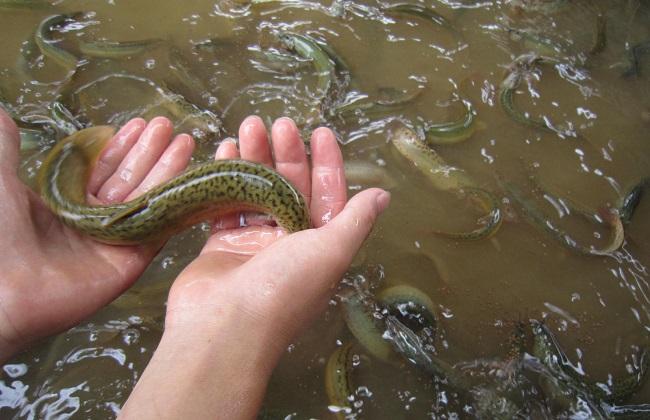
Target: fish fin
x=124, y=213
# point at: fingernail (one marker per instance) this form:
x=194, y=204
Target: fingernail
x=383, y=199
x=284, y=127
x=129, y=129
x=249, y=124
x=160, y=122
x=287, y=119
x=185, y=138
x=322, y=134
x=252, y=118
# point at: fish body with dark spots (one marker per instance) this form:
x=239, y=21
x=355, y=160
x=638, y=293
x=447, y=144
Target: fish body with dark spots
x=205, y=191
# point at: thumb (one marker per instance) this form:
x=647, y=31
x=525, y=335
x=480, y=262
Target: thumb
x=9, y=142
x=347, y=231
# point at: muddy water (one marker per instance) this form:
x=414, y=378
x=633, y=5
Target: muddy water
x=598, y=307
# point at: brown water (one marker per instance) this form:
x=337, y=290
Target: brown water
x=597, y=306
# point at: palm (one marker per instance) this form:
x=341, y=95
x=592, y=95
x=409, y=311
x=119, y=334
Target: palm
x=62, y=277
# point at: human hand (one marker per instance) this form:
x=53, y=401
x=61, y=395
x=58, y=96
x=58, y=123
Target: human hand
x=54, y=277
x=234, y=310
x=233, y=260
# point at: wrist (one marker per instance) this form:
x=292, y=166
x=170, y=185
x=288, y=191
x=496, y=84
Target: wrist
x=228, y=339
x=219, y=370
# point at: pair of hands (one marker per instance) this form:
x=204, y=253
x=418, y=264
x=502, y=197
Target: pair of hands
x=250, y=288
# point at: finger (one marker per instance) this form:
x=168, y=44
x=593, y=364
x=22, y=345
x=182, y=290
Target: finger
x=347, y=231
x=138, y=161
x=173, y=161
x=290, y=156
x=227, y=150
x=114, y=153
x=254, y=142
x=328, y=186
x=9, y=143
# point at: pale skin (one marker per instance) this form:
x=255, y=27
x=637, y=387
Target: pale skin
x=232, y=312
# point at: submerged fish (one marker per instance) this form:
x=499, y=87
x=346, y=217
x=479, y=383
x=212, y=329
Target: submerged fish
x=448, y=178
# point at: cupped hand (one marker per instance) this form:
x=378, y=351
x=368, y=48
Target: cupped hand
x=234, y=310
x=259, y=269
x=54, y=277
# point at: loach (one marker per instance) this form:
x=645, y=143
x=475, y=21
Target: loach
x=448, y=178
x=202, y=192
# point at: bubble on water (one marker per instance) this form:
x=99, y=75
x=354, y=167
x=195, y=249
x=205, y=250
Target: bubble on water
x=192, y=19
x=446, y=312
x=486, y=156
x=364, y=391
x=407, y=397
x=356, y=360
x=588, y=114
x=130, y=336
x=339, y=409
x=15, y=370
x=167, y=262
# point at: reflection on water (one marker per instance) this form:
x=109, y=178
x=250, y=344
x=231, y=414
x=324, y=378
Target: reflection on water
x=559, y=110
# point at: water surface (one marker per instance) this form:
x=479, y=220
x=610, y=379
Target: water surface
x=596, y=305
